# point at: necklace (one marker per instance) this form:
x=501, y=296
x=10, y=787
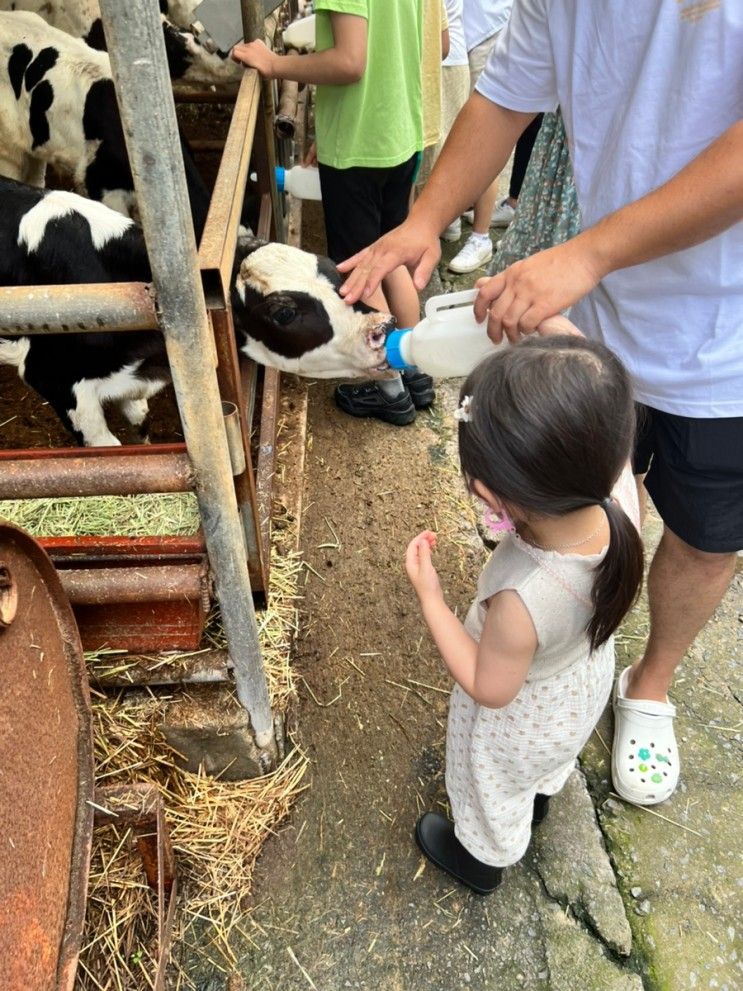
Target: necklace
x=565, y=547
x=562, y=582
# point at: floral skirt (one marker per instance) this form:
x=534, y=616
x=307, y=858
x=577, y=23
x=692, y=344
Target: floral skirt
x=547, y=211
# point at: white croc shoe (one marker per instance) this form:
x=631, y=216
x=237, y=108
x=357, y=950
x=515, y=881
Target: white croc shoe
x=644, y=755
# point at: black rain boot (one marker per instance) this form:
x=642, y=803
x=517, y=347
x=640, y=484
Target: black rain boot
x=435, y=836
x=541, y=808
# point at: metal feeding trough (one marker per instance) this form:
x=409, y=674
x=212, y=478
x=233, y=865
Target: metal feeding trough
x=47, y=794
x=47, y=773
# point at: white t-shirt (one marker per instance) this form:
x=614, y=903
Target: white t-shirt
x=644, y=88
x=483, y=18
x=457, y=46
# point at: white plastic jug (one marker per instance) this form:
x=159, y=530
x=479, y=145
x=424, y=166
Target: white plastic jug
x=300, y=34
x=302, y=181
x=447, y=343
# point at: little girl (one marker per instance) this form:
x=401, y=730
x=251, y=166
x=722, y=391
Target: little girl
x=546, y=429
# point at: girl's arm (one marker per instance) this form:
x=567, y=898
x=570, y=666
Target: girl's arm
x=493, y=671
x=340, y=65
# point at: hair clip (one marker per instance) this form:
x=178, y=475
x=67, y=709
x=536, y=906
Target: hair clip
x=463, y=412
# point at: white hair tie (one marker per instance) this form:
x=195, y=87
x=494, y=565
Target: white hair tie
x=464, y=411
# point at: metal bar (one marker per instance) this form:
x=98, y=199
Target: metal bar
x=137, y=50
x=75, y=308
x=153, y=583
x=228, y=374
x=263, y=145
x=204, y=667
x=59, y=477
x=217, y=246
x=267, y=454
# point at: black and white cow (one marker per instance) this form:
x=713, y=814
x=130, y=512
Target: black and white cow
x=58, y=107
x=188, y=60
x=286, y=309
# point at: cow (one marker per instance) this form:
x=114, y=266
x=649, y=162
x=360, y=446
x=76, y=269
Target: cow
x=188, y=60
x=58, y=107
x=286, y=308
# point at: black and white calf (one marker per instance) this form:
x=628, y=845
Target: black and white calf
x=287, y=311
x=188, y=60
x=58, y=107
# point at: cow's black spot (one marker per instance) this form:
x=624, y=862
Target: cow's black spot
x=163, y=6
x=179, y=58
x=95, y=37
x=288, y=323
x=101, y=122
x=42, y=98
x=17, y=63
x=44, y=61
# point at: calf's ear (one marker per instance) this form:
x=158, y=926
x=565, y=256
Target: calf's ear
x=246, y=245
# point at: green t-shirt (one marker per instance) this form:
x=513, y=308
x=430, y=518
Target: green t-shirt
x=378, y=121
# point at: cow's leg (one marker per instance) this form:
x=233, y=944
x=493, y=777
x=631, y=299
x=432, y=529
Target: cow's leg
x=87, y=416
x=136, y=412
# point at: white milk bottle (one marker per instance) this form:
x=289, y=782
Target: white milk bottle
x=447, y=343
x=300, y=34
x=302, y=181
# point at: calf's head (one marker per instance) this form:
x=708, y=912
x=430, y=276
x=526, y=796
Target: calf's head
x=288, y=315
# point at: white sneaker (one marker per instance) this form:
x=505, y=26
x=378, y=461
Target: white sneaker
x=501, y=216
x=453, y=232
x=475, y=253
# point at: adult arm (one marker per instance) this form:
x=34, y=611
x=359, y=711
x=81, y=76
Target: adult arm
x=340, y=65
x=477, y=149
x=699, y=202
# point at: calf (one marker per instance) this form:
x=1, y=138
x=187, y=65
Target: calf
x=188, y=60
x=287, y=311
x=58, y=106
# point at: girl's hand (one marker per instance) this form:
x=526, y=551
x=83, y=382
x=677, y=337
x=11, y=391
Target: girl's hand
x=421, y=572
x=255, y=55
x=310, y=159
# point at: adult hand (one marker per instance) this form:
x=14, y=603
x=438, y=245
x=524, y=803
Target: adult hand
x=517, y=300
x=414, y=244
x=255, y=55
x=421, y=572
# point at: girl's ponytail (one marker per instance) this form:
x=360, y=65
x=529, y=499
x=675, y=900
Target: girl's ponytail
x=618, y=577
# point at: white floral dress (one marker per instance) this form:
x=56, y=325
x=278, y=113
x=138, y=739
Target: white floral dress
x=497, y=760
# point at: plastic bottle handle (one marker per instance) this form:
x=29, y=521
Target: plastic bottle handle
x=447, y=300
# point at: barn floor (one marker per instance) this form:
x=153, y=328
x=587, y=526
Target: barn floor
x=608, y=896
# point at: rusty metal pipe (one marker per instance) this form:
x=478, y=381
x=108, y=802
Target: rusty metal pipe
x=286, y=114
x=76, y=308
x=158, y=583
x=143, y=87
x=93, y=475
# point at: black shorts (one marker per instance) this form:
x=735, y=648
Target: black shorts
x=694, y=476
x=362, y=204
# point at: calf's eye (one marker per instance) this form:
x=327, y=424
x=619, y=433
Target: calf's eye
x=283, y=315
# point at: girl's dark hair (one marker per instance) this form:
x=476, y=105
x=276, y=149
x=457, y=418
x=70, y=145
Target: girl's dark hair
x=552, y=424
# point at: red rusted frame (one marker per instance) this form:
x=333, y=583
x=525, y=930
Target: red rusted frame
x=140, y=807
x=109, y=306
x=88, y=471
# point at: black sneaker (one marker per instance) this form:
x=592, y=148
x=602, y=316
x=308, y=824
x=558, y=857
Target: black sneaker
x=368, y=399
x=420, y=387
